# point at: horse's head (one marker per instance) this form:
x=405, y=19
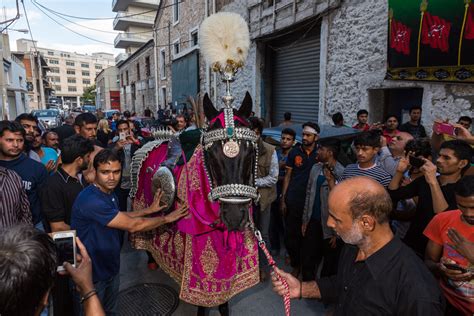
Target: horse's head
x=230, y=152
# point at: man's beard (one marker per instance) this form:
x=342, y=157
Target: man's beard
x=84, y=166
x=354, y=236
x=8, y=154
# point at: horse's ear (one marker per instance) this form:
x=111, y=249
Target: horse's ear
x=246, y=107
x=209, y=109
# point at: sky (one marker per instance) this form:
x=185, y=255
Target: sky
x=51, y=35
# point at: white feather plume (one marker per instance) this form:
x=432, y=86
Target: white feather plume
x=224, y=37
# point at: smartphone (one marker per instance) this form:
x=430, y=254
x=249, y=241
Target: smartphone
x=445, y=128
x=415, y=161
x=453, y=266
x=65, y=242
x=122, y=136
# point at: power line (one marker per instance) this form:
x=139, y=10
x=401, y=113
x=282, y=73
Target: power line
x=71, y=30
x=29, y=28
x=99, y=18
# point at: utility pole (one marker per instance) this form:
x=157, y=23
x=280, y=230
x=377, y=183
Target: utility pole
x=42, y=104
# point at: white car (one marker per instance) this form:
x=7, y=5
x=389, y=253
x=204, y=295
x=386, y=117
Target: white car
x=51, y=117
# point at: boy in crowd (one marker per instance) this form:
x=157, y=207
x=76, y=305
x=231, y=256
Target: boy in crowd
x=443, y=256
x=362, y=118
x=367, y=145
x=32, y=173
x=319, y=240
x=413, y=126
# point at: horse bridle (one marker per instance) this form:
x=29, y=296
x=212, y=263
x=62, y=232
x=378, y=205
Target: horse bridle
x=231, y=138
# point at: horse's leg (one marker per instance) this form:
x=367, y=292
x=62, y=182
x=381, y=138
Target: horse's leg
x=224, y=309
x=201, y=311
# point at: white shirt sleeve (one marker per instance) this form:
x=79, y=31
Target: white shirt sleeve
x=272, y=178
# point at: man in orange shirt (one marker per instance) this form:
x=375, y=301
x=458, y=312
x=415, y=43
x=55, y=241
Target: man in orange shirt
x=443, y=254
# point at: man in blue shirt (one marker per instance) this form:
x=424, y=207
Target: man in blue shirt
x=100, y=224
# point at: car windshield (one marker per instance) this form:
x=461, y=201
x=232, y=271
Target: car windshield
x=45, y=114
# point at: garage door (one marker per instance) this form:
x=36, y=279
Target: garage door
x=296, y=78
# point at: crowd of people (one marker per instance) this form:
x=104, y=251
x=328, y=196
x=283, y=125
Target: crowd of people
x=355, y=235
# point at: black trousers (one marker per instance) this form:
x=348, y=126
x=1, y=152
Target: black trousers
x=277, y=229
x=315, y=248
x=122, y=196
x=293, y=236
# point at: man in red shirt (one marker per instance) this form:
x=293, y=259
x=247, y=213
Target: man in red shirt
x=444, y=255
x=391, y=128
x=362, y=118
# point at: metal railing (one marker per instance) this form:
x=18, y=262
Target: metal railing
x=127, y=16
x=131, y=38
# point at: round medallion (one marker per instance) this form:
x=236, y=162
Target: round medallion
x=231, y=149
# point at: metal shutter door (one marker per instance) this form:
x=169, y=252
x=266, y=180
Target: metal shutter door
x=296, y=80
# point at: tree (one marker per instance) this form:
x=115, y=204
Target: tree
x=89, y=95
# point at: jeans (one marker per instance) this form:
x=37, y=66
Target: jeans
x=293, y=236
x=107, y=292
x=277, y=229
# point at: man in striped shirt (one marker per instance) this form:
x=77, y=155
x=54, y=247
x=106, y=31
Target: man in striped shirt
x=367, y=145
x=14, y=205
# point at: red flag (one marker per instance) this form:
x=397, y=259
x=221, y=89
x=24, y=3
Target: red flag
x=400, y=37
x=469, y=27
x=435, y=32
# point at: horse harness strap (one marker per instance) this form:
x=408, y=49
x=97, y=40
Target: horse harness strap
x=272, y=264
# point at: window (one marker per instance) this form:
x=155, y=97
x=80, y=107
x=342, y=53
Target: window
x=163, y=64
x=138, y=71
x=50, y=53
x=70, y=63
x=147, y=65
x=57, y=88
x=176, y=47
x=84, y=65
x=55, y=79
x=86, y=73
x=70, y=71
x=54, y=61
x=163, y=95
x=54, y=70
x=126, y=77
x=71, y=89
x=71, y=80
x=176, y=11
x=98, y=67
x=194, y=38
x=86, y=81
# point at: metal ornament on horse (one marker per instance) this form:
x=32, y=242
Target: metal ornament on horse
x=225, y=42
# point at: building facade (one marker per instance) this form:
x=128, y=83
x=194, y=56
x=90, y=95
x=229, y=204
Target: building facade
x=14, y=99
x=108, y=89
x=69, y=73
x=135, y=18
x=137, y=80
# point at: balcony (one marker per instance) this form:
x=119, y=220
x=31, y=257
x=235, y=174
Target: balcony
x=124, y=19
x=122, y=5
x=120, y=58
x=124, y=40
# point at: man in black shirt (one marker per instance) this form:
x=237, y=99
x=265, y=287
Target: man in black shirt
x=413, y=126
x=62, y=188
x=298, y=167
x=435, y=193
x=377, y=273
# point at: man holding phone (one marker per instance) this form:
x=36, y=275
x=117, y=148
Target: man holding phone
x=442, y=256
x=125, y=144
x=100, y=224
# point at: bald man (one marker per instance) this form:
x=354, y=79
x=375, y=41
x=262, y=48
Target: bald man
x=377, y=274
x=391, y=153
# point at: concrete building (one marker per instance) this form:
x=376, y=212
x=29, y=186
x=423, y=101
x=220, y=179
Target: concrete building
x=108, y=89
x=137, y=80
x=13, y=90
x=180, y=72
x=69, y=73
x=317, y=57
x=135, y=18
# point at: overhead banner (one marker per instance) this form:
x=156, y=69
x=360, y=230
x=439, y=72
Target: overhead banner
x=431, y=40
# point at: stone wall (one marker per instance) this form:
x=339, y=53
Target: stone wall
x=357, y=60
x=191, y=14
x=144, y=82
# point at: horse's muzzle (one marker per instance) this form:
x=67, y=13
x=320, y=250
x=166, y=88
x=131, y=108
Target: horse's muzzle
x=234, y=212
